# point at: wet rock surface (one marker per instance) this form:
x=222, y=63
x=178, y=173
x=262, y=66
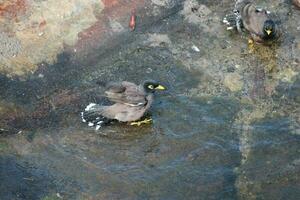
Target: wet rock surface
x=36, y=31
x=227, y=128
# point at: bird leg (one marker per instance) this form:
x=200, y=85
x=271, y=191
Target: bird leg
x=251, y=45
x=138, y=123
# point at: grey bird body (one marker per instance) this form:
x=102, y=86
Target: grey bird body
x=131, y=102
x=123, y=112
x=126, y=93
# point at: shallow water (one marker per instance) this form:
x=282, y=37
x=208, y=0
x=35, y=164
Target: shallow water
x=210, y=139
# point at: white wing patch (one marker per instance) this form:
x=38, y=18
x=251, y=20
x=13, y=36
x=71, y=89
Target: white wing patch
x=134, y=105
x=89, y=107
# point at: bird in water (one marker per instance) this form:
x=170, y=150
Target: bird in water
x=257, y=21
x=131, y=102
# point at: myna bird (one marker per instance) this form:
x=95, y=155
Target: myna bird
x=131, y=103
x=256, y=21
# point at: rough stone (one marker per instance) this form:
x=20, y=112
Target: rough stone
x=194, y=12
x=155, y=39
x=233, y=81
x=287, y=75
x=163, y=3
x=43, y=31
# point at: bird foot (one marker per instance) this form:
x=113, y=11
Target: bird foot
x=251, y=45
x=138, y=123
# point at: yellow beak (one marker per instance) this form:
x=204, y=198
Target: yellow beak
x=160, y=87
x=268, y=32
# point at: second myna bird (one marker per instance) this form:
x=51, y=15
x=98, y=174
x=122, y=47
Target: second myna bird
x=256, y=21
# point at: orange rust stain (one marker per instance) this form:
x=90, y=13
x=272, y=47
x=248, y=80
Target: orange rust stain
x=118, y=10
x=42, y=24
x=132, y=21
x=13, y=8
x=110, y=3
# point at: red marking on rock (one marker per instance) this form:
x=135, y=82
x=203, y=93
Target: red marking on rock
x=110, y=3
x=101, y=32
x=42, y=24
x=132, y=21
x=12, y=9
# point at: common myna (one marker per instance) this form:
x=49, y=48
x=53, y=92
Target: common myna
x=131, y=103
x=256, y=21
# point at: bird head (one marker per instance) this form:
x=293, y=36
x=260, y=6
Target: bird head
x=152, y=86
x=269, y=28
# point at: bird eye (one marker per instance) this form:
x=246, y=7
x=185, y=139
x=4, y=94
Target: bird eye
x=151, y=87
x=257, y=10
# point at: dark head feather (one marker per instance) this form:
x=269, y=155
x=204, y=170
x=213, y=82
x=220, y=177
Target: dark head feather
x=269, y=29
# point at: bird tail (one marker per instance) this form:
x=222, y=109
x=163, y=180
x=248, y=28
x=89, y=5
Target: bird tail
x=92, y=116
x=233, y=21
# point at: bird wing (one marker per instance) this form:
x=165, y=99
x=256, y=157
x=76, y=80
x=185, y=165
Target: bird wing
x=126, y=113
x=115, y=87
x=123, y=112
x=126, y=93
x=254, y=19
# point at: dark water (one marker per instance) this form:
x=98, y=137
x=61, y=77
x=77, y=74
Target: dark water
x=206, y=141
